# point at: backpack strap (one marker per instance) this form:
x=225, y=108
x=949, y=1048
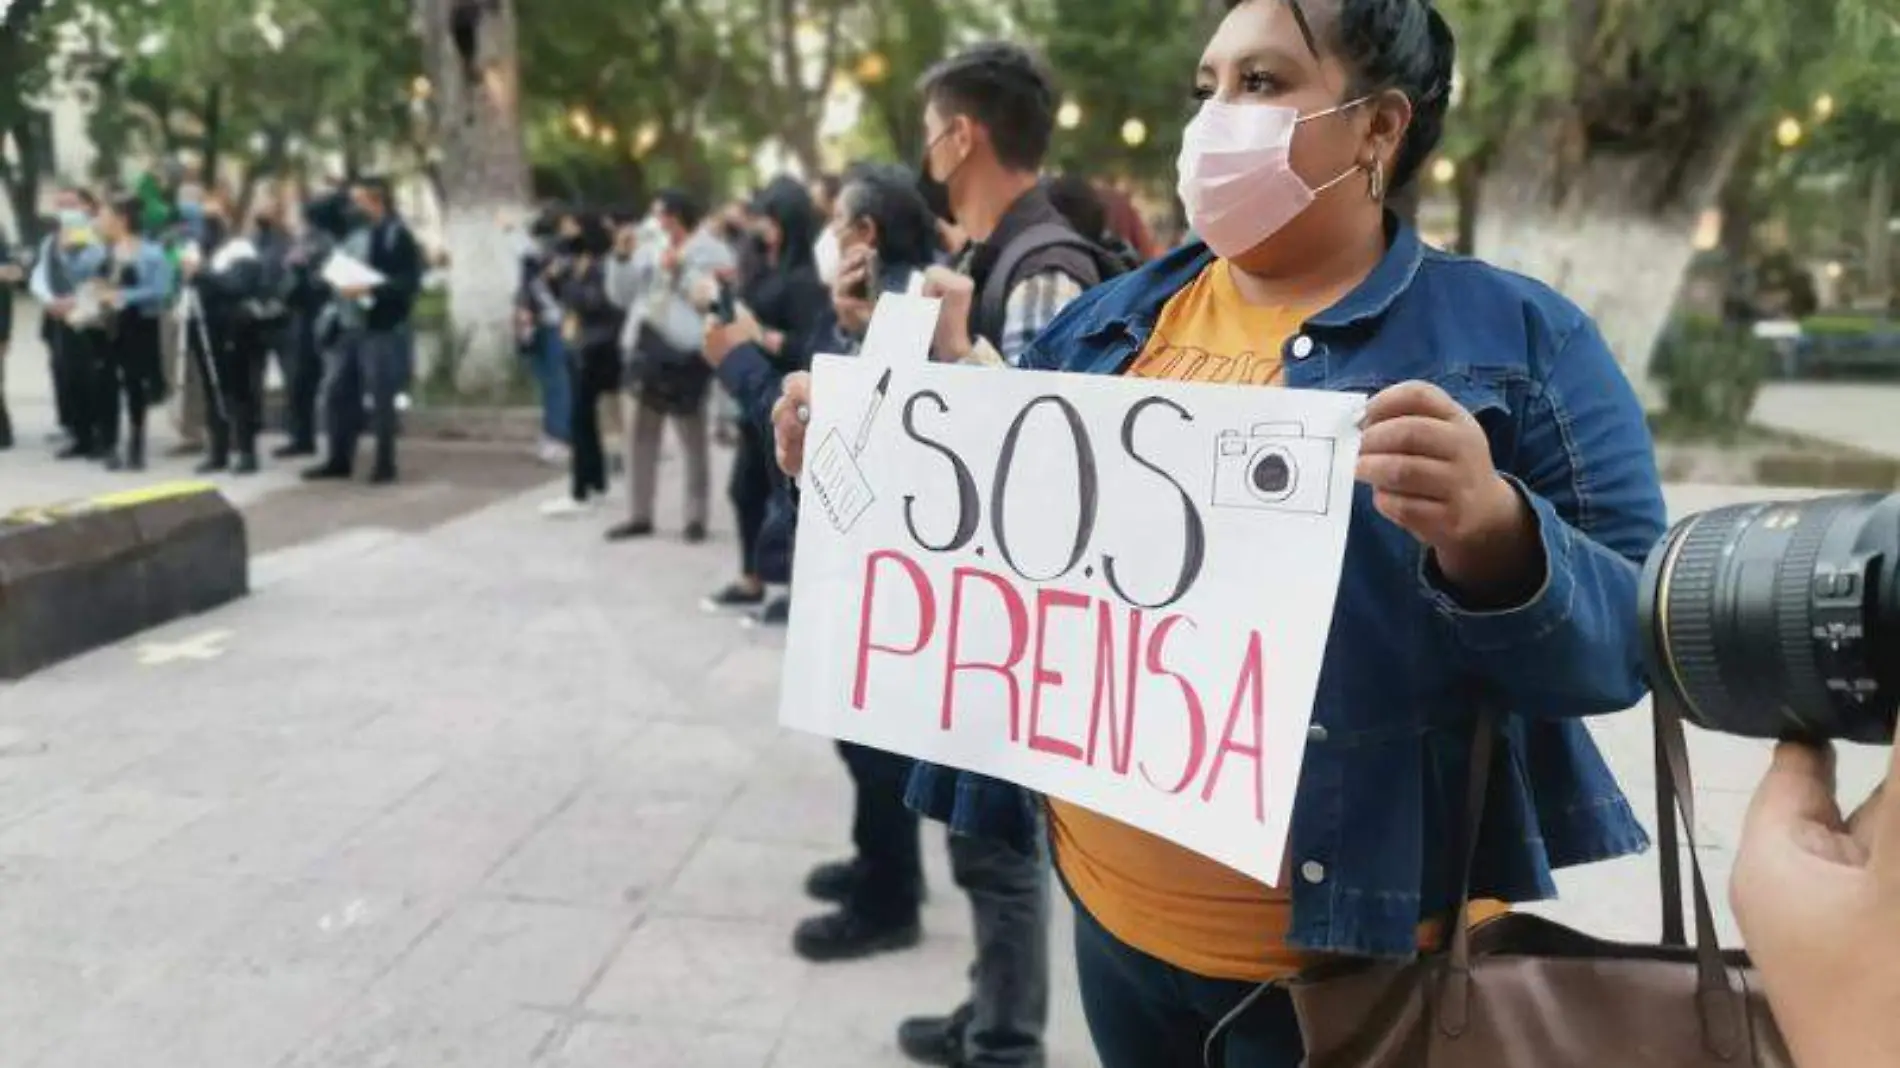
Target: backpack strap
x=992, y=303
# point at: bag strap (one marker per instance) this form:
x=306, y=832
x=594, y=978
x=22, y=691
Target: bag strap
x=1723, y=1030
x=1675, y=793
x=1454, y=1010
x=993, y=303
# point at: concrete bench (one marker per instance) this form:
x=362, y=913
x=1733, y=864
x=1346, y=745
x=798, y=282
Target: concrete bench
x=80, y=576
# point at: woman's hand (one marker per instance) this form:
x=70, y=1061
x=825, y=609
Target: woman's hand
x=958, y=293
x=790, y=415
x=722, y=338
x=848, y=291
x=1818, y=901
x=1430, y=469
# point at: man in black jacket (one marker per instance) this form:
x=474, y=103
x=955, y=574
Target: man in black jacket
x=371, y=351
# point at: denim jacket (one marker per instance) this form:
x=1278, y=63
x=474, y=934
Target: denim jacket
x=1379, y=813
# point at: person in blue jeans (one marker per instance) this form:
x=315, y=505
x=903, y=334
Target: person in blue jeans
x=540, y=312
x=1507, y=492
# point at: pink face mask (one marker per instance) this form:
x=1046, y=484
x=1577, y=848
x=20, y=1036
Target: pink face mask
x=1236, y=173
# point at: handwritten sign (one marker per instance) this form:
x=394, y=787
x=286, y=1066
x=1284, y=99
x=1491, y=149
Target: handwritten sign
x=1113, y=591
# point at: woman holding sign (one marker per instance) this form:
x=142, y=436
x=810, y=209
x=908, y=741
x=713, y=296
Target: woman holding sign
x=1507, y=495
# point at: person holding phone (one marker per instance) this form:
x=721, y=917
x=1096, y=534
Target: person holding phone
x=787, y=299
x=665, y=380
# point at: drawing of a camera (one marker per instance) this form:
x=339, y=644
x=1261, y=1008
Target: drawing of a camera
x=1273, y=467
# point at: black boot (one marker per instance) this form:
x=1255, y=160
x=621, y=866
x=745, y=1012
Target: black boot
x=329, y=471
x=936, y=1039
x=246, y=464
x=217, y=451
x=135, y=448
x=850, y=935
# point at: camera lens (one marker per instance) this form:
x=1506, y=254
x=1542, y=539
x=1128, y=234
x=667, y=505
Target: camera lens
x=1780, y=620
x=1272, y=475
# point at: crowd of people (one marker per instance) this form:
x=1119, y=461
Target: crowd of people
x=1510, y=495
x=148, y=294
x=612, y=317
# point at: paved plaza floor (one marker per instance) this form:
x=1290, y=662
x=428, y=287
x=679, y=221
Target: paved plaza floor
x=486, y=792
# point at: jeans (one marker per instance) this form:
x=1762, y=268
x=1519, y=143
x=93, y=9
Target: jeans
x=887, y=834
x=132, y=367
x=302, y=366
x=1009, y=895
x=596, y=376
x=1143, y=1012
x=231, y=373
x=77, y=371
x=547, y=358
x=751, y=493
x=364, y=363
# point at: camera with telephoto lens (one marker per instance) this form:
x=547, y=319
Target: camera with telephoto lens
x=1780, y=620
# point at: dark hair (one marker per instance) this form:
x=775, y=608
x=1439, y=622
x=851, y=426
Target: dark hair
x=1003, y=88
x=596, y=236
x=85, y=197
x=376, y=187
x=829, y=185
x=682, y=206
x=1392, y=44
x=886, y=194
x=1076, y=198
x=132, y=210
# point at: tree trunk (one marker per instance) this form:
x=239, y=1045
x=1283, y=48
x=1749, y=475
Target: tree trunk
x=485, y=176
x=22, y=178
x=1880, y=236
x=214, y=135
x=1613, y=230
x=1469, y=188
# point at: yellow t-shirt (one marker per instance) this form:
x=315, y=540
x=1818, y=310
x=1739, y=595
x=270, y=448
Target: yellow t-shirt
x=1163, y=899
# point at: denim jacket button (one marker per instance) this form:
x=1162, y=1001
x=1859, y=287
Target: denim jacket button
x=1302, y=347
x=1313, y=872
x=1316, y=734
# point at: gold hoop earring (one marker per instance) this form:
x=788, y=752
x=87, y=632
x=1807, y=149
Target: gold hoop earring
x=1375, y=182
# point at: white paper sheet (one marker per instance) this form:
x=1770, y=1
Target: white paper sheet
x=1114, y=591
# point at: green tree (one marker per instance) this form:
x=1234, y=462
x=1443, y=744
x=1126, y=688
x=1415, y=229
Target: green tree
x=1603, y=129
x=1126, y=68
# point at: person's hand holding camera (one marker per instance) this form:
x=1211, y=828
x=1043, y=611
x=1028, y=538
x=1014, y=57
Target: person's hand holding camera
x=1430, y=468
x=1818, y=900
x=851, y=291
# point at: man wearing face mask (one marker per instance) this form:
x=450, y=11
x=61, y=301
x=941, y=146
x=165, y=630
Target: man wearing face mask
x=989, y=116
x=70, y=259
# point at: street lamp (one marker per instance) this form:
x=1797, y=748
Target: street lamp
x=1788, y=133
x=1069, y=115
x=1444, y=171
x=1134, y=132
x=873, y=68
x=1824, y=107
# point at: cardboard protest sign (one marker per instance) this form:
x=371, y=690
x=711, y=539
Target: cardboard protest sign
x=1114, y=591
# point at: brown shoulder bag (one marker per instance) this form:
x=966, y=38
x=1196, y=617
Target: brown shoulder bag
x=1524, y=992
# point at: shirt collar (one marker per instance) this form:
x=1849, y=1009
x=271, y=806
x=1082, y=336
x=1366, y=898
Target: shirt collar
x=1375, y=296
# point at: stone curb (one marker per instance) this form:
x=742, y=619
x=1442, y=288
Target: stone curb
x=508, y=426
x=1761, y=467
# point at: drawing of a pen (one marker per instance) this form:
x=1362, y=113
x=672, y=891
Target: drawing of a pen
x=870, y=414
